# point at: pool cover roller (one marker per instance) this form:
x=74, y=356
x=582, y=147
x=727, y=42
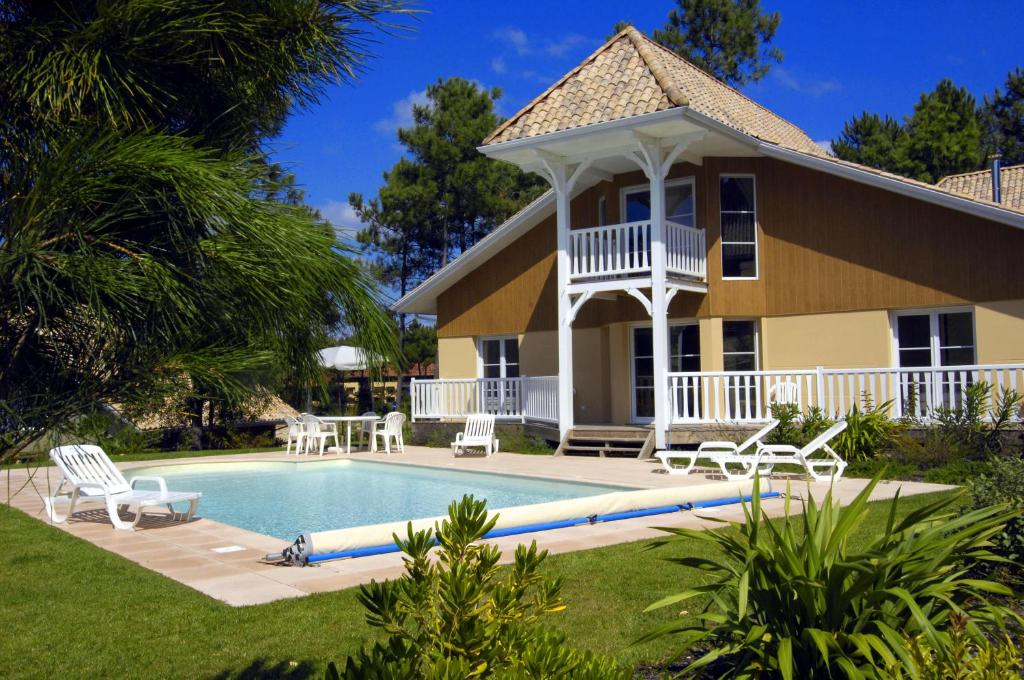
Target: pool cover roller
x=376, y=539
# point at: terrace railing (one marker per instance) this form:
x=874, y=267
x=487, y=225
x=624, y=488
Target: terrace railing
x=746, y=396
x=526, y=398
x=621, y=250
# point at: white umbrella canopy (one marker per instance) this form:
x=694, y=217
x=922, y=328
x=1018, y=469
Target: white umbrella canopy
x=344, y=358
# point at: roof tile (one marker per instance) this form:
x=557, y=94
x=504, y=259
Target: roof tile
x=978, y=185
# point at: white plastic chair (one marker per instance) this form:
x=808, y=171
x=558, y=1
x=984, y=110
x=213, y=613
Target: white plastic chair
x=93, y=477
x=721, y=453
x=785, y=392
x=295, y=434
x=389, y=429
x=366, y=429
x=479, y=432
x=316, y=430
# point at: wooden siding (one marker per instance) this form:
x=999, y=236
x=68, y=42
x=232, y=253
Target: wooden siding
x=826, y=244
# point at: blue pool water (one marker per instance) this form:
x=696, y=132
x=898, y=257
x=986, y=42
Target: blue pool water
x=287, y=499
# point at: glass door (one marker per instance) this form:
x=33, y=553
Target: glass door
x=684, y=356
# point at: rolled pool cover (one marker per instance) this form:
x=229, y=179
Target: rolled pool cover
x=379, y=538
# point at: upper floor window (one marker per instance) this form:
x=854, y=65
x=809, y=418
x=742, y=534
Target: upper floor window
x=679, y=203
x=739, y=227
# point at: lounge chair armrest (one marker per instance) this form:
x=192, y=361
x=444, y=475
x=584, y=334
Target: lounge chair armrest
x=90, y=486
x=159, y=480
x=459, y=436
x=778, y=448
x=718, y=446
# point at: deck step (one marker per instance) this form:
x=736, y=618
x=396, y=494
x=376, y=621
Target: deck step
x=592, y=442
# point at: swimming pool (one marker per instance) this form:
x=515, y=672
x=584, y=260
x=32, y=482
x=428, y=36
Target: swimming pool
x=285, y=499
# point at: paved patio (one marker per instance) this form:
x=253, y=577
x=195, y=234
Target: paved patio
x=224, y=561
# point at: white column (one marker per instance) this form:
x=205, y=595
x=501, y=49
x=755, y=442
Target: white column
x=565, y=400
x=659, y=307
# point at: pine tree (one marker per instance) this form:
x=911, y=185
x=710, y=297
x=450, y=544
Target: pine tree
x=727, y=38
x=872, y=140
x=943, y=135
x=1002, y=120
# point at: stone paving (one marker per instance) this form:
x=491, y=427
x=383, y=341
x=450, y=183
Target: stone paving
x=192, y=553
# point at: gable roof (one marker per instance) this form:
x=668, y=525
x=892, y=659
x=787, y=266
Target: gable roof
x=978, y=185
x=631, y=75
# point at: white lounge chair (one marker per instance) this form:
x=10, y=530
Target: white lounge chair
x=316, y=430
x=721, y=453
x=776, y=454
x=295, y=434
x=390, y=430
x=479, y=432
x=94, y=478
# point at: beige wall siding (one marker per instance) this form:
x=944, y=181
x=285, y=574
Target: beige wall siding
x=999, y=330
x=538, y=353
x=840, y=340
x=619, y=373
x=590, y=375
x=456, y=358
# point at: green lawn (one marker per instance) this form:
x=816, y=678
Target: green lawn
x=70, y=609
x=153, y=455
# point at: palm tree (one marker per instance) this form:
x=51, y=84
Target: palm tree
x=144, y=246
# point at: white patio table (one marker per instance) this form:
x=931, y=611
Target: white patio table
x=349, y=420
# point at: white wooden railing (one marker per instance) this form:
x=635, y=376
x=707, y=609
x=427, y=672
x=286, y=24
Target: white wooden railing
x=620, y=250
x=746, y=396
x=685, y=250
x=524, y=398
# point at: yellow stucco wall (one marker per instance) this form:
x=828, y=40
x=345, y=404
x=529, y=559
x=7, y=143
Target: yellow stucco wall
x=591, y=403
x=619, y=404
x=456, y=358
x=999, y=332
x=538, y=353
x=840, y=340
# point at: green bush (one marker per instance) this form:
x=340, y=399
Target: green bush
x=798, y=596
x=1002, y=481
x=795, y=428
x=967, y=426
x=966, y=659
x=457, y=614
x=868, y=431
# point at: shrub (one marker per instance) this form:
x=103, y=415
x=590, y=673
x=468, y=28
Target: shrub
x=867, y=432
x=1002, y=481
x=967, y=427
x=966, y=659
x=460, y=615
x=794, y=428
x=798, y=596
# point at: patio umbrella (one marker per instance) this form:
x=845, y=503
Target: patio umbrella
x=344, y=358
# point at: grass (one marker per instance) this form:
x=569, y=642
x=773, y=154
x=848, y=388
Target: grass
x=72, y=609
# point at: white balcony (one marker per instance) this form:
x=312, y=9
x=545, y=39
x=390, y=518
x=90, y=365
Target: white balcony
x=624, y=250
x=526, y=398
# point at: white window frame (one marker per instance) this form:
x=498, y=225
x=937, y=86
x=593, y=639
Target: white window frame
x=721, y=232
x=757, y=343
x=933, y=328
x=480, y=355
x=633, y=418
x=624, y=191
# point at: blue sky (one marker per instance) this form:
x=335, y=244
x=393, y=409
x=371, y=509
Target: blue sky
x=840, y=59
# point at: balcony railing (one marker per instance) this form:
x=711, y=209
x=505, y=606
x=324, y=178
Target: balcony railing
x=746, y=396
x=622, y=250
x=526, y=398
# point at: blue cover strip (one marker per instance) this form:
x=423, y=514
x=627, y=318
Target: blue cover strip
x=546, y=526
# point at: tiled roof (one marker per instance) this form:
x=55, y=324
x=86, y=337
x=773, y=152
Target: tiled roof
x=978, y=185
x=631, y=75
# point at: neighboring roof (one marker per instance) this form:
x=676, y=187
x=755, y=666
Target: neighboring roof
x=631, y=75
x=978, y=185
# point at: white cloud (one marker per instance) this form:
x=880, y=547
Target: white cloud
x=560, y=47
x=342, y=217
x=825, y=144
x=516, y=39
x=401, y=113
x=498, y=65
x=524, y=45
x=814, y=87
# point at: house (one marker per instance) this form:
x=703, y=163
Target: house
x=698, y=257
x=979, y=185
